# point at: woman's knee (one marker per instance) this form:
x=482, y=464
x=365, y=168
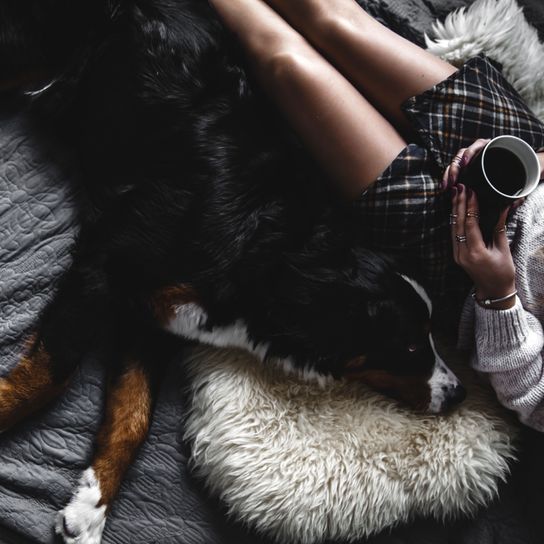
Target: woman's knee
x=283, y=63
x=337, y=30
x=294, y=65
x=265, y=45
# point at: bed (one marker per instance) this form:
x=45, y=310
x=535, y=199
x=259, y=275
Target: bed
x=41, y=460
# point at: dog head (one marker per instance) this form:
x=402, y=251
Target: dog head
x=363, y=322
x=400, y=358
x=368, y=323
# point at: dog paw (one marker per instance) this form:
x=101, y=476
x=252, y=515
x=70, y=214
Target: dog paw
x=82, y=520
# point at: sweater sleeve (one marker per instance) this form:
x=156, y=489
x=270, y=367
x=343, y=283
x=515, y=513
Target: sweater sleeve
x=509, y=346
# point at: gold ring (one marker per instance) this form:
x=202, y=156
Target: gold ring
x=502, y=229
x=473, y=214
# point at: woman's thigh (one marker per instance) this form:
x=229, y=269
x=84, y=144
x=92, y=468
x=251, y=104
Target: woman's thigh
x=385, y=67
x=352, y=141
x=345, y=133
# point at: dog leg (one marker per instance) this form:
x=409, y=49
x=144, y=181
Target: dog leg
x=163, y=302
x=125, y=426
x=30, y=385
x=69, y=327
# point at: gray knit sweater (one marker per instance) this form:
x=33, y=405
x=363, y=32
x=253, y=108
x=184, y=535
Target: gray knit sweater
x=507, y=345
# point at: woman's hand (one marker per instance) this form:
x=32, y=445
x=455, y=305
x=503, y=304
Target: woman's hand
x=491, y=268
x=462, y=158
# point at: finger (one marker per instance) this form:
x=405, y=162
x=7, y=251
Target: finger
x=517, y=203
x=475, y=241
x=460, y=227
x=455, y=166
x=453, y=227
x=500, y=240
x=473, y=150
x=461, y=209
x=445, y=179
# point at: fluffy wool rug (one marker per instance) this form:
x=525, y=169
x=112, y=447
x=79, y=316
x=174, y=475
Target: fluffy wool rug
x=499, y=29
x=307, y=462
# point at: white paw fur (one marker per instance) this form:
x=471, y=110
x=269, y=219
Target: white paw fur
x=82, y=520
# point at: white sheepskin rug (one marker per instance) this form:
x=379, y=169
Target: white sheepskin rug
x=499, y=29
x=306, y=462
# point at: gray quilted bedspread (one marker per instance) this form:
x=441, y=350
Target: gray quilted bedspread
x=41, y=460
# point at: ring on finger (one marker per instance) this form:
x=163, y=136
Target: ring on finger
x=472, y=214
x=453, y=217
x=457, y=160
x=461, y=238
x=501, y=229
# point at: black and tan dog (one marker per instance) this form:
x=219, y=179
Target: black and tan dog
x=206, y=219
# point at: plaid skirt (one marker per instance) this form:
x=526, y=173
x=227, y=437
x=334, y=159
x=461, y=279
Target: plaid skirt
x=404, y=212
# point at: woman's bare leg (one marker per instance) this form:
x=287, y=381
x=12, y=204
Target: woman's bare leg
x=343, y=131
x=382, y=65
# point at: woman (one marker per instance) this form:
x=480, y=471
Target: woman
x=385, y=118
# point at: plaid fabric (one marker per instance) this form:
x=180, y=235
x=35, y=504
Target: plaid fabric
x=403, y=212
x=475, y=102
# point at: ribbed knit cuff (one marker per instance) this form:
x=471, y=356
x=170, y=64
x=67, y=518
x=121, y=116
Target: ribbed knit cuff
x=508, y=328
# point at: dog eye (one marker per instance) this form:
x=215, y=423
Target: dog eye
x=412, y=348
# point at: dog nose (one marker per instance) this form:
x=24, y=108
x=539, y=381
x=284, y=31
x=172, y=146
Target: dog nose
x=456, y=395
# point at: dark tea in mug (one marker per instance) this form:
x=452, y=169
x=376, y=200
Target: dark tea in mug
x=505, y=171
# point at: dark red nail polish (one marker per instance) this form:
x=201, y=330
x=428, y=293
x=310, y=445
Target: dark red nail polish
x=461, y=187
x=453, y=190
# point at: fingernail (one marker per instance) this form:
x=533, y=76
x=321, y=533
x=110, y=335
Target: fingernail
x=464, y=160
x=453, y=190
x=461, y=187
x=469, y=192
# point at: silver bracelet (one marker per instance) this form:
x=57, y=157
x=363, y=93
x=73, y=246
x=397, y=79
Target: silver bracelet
x=489, y=301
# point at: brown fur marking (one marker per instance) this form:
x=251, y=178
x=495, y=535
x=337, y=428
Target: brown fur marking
x=38, y=78
x=28, y=386
x=414, y=390
x=356, y=363
x=125, y=426
x=164, y=301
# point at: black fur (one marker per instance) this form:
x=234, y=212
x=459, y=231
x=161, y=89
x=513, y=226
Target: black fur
x=192, y=176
